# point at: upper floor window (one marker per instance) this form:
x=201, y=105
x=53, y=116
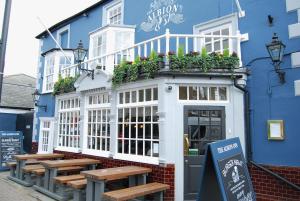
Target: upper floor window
x=218, y=32
x=115, y=14
x=99, y=44
x=57, y=63
x=63, y=37
x=49, y=73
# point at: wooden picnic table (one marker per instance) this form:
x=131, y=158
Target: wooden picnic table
x=51, y=170
x=21, y=161
x=96, y=179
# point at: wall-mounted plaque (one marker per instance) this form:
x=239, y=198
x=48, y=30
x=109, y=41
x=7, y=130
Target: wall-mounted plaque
x=275, y=130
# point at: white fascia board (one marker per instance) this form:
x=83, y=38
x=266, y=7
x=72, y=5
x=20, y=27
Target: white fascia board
x=292, y=5
x=297, y=87
x=294, y=30
x=295, y=57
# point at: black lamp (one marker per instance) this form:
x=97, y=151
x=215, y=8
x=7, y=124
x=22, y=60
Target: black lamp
x=276, y=52
x=36, y=96
x=79, y=56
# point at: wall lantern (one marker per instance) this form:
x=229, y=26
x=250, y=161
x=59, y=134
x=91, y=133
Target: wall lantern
x=79, y=55
x=276, y=52
x=36, y=96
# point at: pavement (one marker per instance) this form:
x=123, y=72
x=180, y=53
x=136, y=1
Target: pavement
x=11, y=191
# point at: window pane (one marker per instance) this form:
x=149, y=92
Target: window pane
x=192, y=93
x=154, y=114
x=127, y=97
x=147, y=148
x=147, y=114
x=120, y=115
x=182, y=93
x=140, y=147
x=140, y=114
x=147, y=131
x=133, y=96
x=133, y=130
x=213, y=93
x=140, y=131
x=155, y=94
x=223, y=93
x=148, y=94
x=141, y=95
x=203, y=93
x=120, y=98
x=155, y=131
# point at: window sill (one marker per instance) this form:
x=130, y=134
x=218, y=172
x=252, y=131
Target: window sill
x=139, y=159
x=68, y=149
x=91, y=152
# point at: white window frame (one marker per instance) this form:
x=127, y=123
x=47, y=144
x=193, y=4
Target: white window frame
x=42, y=139
x=60, y=31
x=208, y=94
x=135, y=157
x=110, y=6
x=58, y=111
x=46, y=74
x=229, y=21
x=56, y=71
x=92, y=107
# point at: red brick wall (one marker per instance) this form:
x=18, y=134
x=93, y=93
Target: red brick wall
x=160, y=174
x=268, y=188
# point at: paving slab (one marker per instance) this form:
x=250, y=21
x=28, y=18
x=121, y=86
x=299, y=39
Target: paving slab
x=11, y=191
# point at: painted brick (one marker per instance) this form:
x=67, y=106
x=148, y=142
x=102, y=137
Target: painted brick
x=269, y=188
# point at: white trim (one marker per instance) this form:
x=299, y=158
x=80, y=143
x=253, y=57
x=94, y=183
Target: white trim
x=50, y=131
x=61, y=30
x=68, y=149
x=136, y=158
x=13, y=111
x=105, y=154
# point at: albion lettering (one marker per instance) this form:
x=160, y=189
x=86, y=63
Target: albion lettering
x=161, y=13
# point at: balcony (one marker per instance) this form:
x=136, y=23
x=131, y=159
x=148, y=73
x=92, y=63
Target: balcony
x=165, y=44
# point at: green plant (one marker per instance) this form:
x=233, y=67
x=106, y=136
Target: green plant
x=64, y=85
x=179, y=61
x=134, y=69
x=151, y=66
x=120, y=73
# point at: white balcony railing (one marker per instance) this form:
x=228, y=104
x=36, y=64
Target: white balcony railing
x=163, y=44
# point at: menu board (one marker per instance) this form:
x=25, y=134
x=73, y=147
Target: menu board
x=11, y=143
x=225, y=174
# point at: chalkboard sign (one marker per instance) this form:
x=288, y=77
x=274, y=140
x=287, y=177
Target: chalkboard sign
x=11, y=143
x=228, y=178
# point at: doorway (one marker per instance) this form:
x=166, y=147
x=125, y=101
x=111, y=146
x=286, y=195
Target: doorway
x=202, y=125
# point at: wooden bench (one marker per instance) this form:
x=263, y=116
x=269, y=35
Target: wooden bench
x=66, y=179
x=79, y=187
x=137, y=191
x=12, y=166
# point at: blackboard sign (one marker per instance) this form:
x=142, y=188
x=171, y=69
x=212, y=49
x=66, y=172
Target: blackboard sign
x=229, y=176
x=11, y=143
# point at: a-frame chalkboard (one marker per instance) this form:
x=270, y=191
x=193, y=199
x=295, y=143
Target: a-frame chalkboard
x=225, y=173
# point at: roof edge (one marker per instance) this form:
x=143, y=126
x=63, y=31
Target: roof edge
x=61, y=23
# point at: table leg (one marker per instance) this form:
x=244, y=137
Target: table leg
x=142, y=179
x=90, y=190
x=21, y=165
x=46, y=179
x=99, y=190
x=53, y=173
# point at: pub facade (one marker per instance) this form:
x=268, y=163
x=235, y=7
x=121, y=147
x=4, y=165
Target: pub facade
x=159, y=81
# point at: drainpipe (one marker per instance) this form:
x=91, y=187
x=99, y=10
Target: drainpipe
x=247, y=119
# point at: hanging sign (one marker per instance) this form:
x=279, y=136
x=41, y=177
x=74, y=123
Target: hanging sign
x=225, y=173
x=161, y=13
x=11, y=143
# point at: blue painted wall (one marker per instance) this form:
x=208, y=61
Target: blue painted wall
x=8, y=122
x=269, y=99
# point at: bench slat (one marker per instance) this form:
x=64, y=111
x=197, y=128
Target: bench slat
x=30, y=168
x=62, y=169
x=66, y=179
x=135, y=192
x=29, y=162
x=78, y=184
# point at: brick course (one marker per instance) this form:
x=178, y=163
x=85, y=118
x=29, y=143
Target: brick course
x=269, y=188
x=162, y=174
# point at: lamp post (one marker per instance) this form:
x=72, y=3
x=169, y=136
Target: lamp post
x=79, y=55
x=276, y=52
x=36, y=97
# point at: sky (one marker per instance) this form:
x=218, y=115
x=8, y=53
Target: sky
x=22, y=47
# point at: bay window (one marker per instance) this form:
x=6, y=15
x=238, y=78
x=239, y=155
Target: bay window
x=138, y=127
x=68, y=123
x=98, y=124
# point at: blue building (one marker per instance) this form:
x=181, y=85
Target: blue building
x=186, y=88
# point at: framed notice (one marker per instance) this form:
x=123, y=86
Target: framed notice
x=275, y=130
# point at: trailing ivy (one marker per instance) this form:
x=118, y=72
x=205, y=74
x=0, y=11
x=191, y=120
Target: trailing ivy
x=64, y=85
x=149, y=67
